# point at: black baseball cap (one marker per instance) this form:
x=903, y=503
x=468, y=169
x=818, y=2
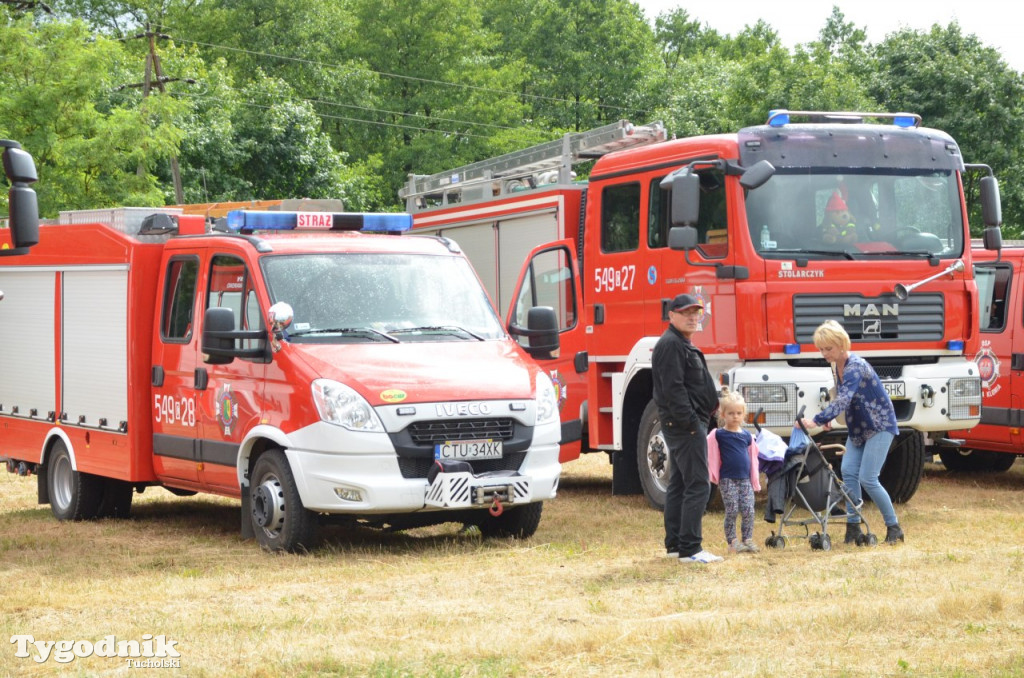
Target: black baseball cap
x=685, y=301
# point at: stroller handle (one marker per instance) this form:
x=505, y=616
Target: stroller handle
x=800, y=420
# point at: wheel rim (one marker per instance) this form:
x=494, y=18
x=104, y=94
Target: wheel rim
x=657, y=461
x=61, y=481
x=268, y=506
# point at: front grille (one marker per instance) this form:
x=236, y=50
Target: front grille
x=441, y=431
x=418, y=467
x=921, y=317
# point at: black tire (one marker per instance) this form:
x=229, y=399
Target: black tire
x=902, y=471
x=279, y=520
x=519, y=523
x=652, y=458
x=826, y=542
x=1001, y=462
x=959, y=460
x=117, y=499
x=73, y=495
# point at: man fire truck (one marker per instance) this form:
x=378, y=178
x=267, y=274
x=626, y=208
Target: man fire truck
x=777, y=227
x=323, y=374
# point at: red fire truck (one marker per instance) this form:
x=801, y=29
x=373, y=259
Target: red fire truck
x=328, y=373
x=740, y=220
x=995, y=443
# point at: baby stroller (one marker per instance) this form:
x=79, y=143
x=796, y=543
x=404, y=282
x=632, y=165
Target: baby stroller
x=804, y=479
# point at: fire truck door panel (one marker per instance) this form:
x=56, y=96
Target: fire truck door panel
x=176, y=346
x=27, y=355
x=229, y=406
x=549, y=278
x=94, y=380
x=516, y=238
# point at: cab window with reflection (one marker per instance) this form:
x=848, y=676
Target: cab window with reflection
x=179, y=299
x=230, y=286
x=620, y=218
x=993, y=295
x=712, y=223
x=548, y=282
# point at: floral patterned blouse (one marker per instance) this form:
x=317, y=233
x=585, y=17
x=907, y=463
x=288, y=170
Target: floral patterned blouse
x=862, y=397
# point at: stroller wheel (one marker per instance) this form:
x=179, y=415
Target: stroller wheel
x=826, y=542
x=869, y=539
x=815, y=541
x=774, y=542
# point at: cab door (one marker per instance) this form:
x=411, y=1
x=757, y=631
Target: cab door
x=548, y=278
x=229, y=395
x=174, y=372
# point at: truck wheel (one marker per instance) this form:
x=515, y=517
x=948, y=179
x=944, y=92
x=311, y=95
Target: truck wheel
x=279, y=520
x=652, y=457
x=73, y=495
x=520, y=522
x=117, y=499
x=965, y=461
x=904, y=467
x=1001, y=461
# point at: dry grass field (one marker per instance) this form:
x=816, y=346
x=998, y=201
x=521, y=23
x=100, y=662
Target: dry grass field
x=589, y=595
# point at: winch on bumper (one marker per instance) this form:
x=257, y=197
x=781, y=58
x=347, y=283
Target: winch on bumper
x=453, y=486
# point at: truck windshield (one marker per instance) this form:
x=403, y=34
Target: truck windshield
x=857, y=214
x=351, y=298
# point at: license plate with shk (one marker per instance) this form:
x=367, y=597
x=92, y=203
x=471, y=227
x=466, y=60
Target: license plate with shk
x=895, y=389
x=468, y=450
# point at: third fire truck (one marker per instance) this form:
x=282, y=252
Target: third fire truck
x=742, y=221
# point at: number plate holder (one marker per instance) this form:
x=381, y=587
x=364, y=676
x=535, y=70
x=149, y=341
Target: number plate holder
x=897, y=390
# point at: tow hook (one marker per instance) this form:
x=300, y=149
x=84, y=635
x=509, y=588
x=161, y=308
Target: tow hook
x=496, y=508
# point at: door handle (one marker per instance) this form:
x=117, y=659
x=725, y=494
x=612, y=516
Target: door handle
x=202, y=379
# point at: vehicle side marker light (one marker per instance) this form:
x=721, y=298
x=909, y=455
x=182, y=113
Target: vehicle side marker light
x=791, y=349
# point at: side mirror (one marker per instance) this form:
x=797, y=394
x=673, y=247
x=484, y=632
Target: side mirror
x=24, y=208
x=685, y=204
x=279, y=317
x=218, y=340
x=991, y=207
x=757, y=174
x=542, y=332
x=682, y=238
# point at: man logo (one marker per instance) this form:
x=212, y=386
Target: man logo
x=872, y=327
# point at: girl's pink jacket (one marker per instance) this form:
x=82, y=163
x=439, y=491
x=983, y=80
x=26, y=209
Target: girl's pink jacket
x=715, y=461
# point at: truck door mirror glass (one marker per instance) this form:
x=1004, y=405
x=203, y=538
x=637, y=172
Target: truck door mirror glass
x=991, y=208
x=685, y=206
x=682, y=238
x=218, y=342
x=280, y=316
x=22, y=203
x=542, y=325
x=757, y=174
x=993, y=238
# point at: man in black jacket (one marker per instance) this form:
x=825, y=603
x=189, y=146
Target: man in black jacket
x=686, y=396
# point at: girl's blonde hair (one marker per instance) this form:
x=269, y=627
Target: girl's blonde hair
x=729, y=398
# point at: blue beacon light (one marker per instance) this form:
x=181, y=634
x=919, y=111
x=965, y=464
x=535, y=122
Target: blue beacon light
x=250, y=220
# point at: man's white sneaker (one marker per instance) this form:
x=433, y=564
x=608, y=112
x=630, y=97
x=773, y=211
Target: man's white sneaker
x=701, y=557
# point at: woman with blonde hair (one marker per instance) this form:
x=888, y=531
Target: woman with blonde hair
x=870, y=423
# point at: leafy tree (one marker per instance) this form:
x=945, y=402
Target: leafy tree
x=56, y=81
x=964, y=88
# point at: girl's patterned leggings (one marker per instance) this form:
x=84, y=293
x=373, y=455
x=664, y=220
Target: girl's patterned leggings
x=738, y=497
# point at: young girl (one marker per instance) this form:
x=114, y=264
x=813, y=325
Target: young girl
x=732, y=464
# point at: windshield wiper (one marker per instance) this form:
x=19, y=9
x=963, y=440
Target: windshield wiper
x=829, y=253
x=441, y=329
x=365, y=331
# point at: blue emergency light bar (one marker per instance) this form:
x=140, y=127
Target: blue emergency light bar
x=781, y=117
x=246, y=220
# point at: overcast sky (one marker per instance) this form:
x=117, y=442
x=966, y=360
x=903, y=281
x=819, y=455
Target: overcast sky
x=800, y=21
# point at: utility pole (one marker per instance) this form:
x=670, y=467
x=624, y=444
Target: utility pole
x=153, y=67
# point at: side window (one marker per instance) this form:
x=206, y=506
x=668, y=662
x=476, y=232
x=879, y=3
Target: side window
x=993, y=296
x=179, y=300
x=712, y=223
x=548, y=282
x=620, y=218
x=230, y=286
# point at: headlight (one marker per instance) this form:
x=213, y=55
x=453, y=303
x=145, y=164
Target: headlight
x=338, y=404
x=965, y=398
x=547, y=401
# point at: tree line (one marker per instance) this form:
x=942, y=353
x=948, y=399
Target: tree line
x=262, y=99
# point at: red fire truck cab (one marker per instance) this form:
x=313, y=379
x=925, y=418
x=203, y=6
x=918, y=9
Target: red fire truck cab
x=310, y=374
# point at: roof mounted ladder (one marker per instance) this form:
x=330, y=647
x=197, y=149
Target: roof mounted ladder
x=557, y=155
